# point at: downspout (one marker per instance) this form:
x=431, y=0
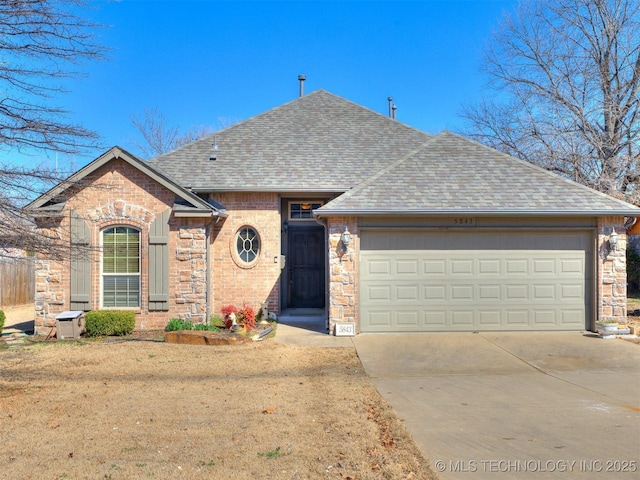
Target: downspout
x=630, y=222
x=207, y=255
x=327, y=294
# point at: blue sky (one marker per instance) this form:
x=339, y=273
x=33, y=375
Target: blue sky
x=197, y=61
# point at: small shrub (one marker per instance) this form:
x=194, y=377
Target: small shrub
x=2, y=317
x=176, y=324
x=110, y=322
x=216, y=321
x=206, y=328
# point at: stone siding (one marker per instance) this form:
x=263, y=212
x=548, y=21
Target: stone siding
x=343, y=272
x=612, y=271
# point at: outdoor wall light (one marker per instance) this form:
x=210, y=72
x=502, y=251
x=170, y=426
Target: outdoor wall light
x=346, y=238
x=285, y=226
x=613, y=240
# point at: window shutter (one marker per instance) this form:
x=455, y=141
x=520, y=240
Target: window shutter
x=159, y=262
x=80, y=264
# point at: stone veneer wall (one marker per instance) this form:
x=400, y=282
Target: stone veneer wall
x=612, y=271
x=233, y=282
x=343, y=272
x=118, y=194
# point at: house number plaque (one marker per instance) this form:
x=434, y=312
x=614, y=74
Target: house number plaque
x=345, y=329
x=464, y=221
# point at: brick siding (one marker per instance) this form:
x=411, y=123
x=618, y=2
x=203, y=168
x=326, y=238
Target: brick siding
x=118, y=194
x=233, y=283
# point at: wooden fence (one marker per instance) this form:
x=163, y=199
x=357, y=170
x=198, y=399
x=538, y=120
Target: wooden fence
x=17, y=281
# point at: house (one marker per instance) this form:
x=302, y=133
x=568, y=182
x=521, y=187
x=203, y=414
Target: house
x=323, y=204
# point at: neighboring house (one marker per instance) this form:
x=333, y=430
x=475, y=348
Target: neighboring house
x=445, y=234
x=633, y=234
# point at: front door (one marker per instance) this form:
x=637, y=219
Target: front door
x=305, y=262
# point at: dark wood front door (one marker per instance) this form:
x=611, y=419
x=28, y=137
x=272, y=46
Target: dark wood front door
x=305, y=261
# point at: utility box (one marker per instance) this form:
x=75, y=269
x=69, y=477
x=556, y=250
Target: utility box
x=70, y=324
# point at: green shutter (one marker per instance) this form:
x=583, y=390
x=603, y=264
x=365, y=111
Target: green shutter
x=80, y=264
x=159, y=262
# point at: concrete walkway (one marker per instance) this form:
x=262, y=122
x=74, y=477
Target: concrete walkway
x=513, y=405
x=308, y=328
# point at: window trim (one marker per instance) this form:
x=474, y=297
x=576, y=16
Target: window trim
x=103, y=274
x=235, y=255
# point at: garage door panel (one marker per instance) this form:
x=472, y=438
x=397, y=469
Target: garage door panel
x=517, y=318
x=449, y=288
x=461, y=267
x=462, y=292
x=516, y=292
x=435, y=320
x=380, y=268
x=544, y=292
x=572, y=266
x=572, y=292
x=406, y=267
x=408, y=292
x=462, y=318
x=544, y=317
x=488, y=267
x=489, y=292
x=544, y=266
x=518, y=266
x=434, y=267
x=435, y=292
x=490, y=317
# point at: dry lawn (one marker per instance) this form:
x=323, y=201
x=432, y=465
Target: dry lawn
x=141, y=409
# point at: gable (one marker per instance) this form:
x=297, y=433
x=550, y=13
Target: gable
x=185, y=203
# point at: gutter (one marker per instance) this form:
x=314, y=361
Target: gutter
x=207, y=257
x=480, y=213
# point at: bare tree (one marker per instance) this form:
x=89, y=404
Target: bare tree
x=566, y=80
x=42, y=44
x=161, y=137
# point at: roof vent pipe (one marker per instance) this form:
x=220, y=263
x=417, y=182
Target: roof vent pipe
x=393, y=112
x=301, y=79
x=390, y=100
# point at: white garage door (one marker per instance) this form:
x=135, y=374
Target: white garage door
x=438, y=281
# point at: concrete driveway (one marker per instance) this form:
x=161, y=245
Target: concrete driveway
x=513, y=405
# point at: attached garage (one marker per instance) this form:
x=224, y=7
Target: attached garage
x=460, y=280
x=457, y=237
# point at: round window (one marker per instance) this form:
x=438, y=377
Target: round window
x=247, y=246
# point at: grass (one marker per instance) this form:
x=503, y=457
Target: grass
x=633, y=301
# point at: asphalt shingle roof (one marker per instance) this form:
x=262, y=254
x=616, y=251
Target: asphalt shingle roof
x=451, y=174
x=318, y=142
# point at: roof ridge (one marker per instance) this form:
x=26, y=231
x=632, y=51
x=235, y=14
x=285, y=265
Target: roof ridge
x=304, y=98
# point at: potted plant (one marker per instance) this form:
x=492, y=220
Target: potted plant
x=607, y=325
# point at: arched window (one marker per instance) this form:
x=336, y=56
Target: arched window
x=120, y=267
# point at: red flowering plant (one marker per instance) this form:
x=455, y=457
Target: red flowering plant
x=226, y=311
x=247, y=316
